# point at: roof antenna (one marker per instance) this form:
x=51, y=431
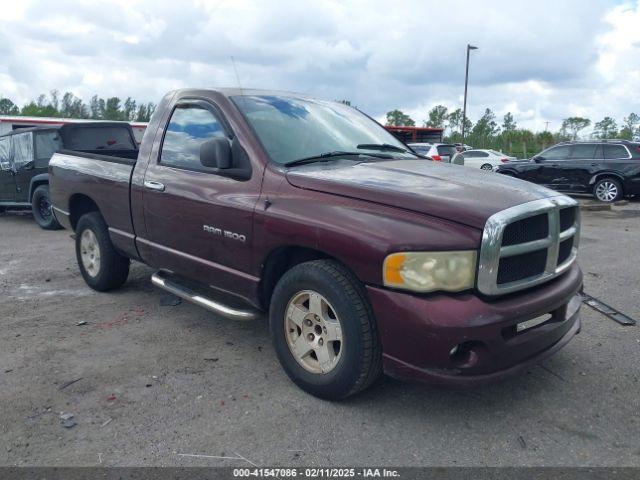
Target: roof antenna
x=237, y=76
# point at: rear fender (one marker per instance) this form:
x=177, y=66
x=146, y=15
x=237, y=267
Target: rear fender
x=599, y=175
x=36, y=181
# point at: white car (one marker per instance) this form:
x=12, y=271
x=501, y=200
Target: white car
x=485, y=159
x=439, y=152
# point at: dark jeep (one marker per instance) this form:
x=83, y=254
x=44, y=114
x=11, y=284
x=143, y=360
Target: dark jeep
x=25, y=155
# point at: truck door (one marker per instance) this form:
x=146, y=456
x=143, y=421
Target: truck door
x=576, y=169
x=7, y=182
x=198, y=222
x=549, y=171
x=23, y=162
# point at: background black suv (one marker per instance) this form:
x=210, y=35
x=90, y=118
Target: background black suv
x=608, y=169
x=25, y=155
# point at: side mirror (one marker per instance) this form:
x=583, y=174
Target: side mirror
x=538, y=159
x=216, y=153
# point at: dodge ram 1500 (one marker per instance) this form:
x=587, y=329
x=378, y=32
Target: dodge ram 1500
x=366, y=257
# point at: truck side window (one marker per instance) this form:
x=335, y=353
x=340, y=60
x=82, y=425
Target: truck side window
x=47, y=143
x=22, y=149
x=5, y=153
x=190, y=126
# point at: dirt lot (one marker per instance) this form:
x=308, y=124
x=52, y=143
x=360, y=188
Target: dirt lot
x=152, y=382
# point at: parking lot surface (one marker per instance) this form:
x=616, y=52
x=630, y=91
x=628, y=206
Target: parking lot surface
x=149, y=384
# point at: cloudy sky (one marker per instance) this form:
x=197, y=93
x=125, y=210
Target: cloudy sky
x=543, y=60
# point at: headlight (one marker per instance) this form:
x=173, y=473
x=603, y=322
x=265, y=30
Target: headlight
x=430, y=271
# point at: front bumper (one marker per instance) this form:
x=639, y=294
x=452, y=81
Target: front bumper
x=418, y=333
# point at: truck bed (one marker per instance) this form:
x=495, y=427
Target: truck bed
x=99, y=178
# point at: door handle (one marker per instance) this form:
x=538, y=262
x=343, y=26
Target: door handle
x=151, y=185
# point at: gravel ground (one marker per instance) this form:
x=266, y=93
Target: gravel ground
x=148, y=383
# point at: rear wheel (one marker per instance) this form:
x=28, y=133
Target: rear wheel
x=323, y=330
x=607, y=190
x=101, y=266
x=486, y=166
x=42, y=209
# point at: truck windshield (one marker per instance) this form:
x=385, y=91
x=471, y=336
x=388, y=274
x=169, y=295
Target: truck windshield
x=291, y=128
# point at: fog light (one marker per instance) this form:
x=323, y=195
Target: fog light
x=466, y=355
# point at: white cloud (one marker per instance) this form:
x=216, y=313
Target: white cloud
x=542, y=60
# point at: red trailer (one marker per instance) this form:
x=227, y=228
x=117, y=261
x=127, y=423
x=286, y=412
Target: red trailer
x=416, y=134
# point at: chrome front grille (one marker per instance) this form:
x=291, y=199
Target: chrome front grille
x=528, y=244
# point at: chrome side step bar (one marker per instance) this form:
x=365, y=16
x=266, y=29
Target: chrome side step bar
x=159, y=279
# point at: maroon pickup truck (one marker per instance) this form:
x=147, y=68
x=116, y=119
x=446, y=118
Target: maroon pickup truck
x=366, y=257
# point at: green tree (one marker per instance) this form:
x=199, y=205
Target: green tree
x=437, y=117
x=73, y=107
x=630, y=127
x=7, y=107
x=508, y=123
x=145, y=112
x=454, y=121
x=572, y=125
x=605, y=128
x=527, y=141
x=41, y=107
x=112, y=109
x=484, y=130
x=129, y=109
x=508, y=127
x=397, y=118
x=543, y=140
x=94, y=108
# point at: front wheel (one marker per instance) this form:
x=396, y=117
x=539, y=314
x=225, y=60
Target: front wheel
x=486, y=166
x=324, y=331
x=101, y=266
x=607, y=190
x=42, y=209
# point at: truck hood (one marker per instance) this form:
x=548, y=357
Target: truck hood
x=452, y=192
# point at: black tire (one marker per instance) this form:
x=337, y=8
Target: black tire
x=486, y=166
x=608, y=190
x=112, y=268
x=42, y=210
x=360, y=363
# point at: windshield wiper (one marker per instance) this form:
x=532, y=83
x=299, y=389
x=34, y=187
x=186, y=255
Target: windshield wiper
x=324, y=157
x=382, y=146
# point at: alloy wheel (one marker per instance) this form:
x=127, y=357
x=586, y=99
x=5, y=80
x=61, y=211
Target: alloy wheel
x=90, y=252
x=313, y=332
x=607, y=191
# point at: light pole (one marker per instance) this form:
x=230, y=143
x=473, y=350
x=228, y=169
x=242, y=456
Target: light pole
x=466, y=82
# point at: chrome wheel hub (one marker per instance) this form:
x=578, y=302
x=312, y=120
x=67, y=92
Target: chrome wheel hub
x=607, y=191
x=90, y=253
x=313, y=332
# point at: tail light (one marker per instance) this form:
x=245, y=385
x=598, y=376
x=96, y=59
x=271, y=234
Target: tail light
x=504, y=160
x=436, y=158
